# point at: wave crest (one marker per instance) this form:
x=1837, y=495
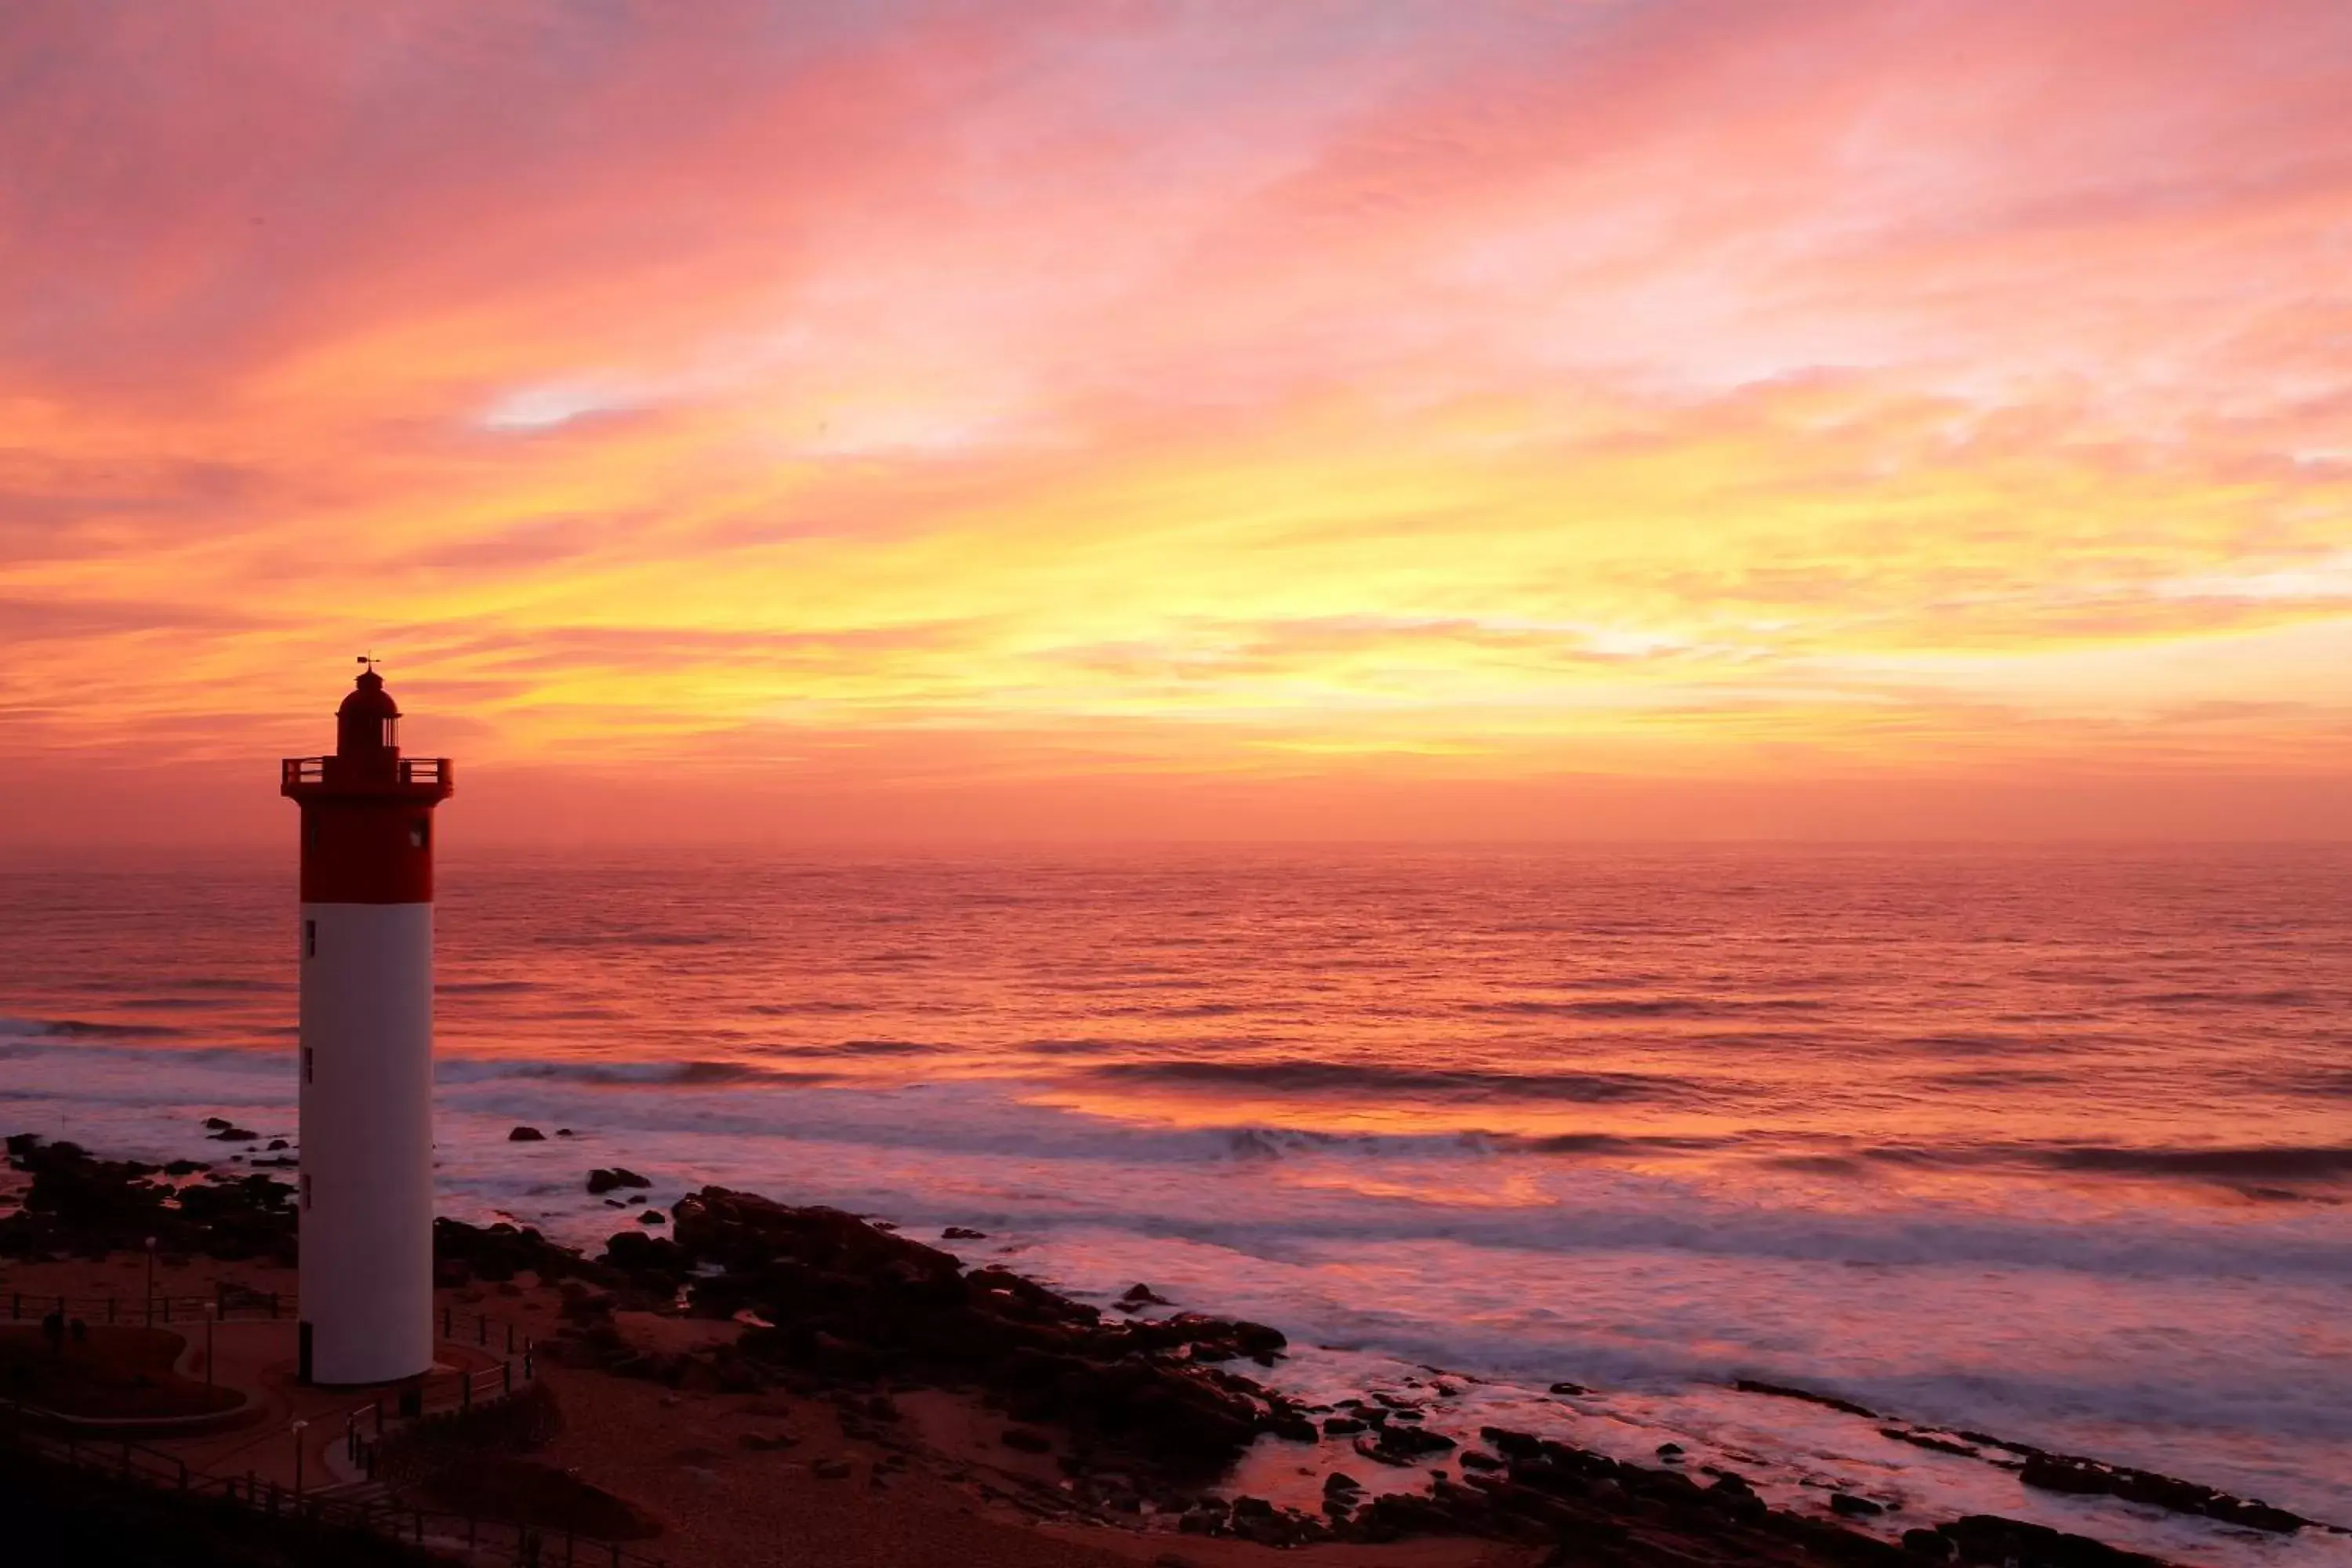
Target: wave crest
x=1304, y=1075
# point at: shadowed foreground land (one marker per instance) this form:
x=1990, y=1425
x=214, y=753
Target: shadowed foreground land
x=769, y=1383
x=58, y=1516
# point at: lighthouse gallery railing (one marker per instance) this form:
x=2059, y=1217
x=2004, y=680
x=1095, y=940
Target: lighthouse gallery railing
x=411, y=770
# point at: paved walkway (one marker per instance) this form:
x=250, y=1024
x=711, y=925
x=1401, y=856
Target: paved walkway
x=257, y=1356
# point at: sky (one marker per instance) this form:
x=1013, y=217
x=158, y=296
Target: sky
x=1654, y=418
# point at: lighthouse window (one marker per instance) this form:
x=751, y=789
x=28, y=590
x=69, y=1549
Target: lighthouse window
x=309, y=939
x=416, y=833
x=391, y=732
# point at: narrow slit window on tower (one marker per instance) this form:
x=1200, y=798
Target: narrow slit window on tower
x=306, y=1064
x=419, y=832
x=391, y=732
x=306, y=1189
x=309, y=939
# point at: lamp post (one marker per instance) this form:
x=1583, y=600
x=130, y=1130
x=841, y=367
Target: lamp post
x=299, y=1426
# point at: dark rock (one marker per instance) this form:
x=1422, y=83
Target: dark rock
x=277, y=1144
x=962, y=1233
x=1028, y=1439
x=217, y=1122
x=2056, y=1475
x=1474, y=1460
x=1990, y=1537
x=184, y=1167
x=1782, y=1391
x=564, y=1133
x=1143, y=1295
x=852, y=1300
x=79, y=1204
x=499, y=1252
x=601, y=1180
x=1570, y=1388
x=1402, y=1445
x=526, y=1135
x=639, y=1254
x=1932, y=1544
x=1341, y=1426
x=2084, y=1478
x=830, y=1470
x=236, y=1135
x=2254, y=1515
x=653, y=1217
x=1342, y=1481
x=1670, y=1450
x=1854, y=1506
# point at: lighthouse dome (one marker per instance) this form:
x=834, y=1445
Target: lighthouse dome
x=369, y=721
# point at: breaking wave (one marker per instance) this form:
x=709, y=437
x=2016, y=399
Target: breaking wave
x=1307, y=1077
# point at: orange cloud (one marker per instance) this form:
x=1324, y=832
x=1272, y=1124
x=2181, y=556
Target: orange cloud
x=1345, y=399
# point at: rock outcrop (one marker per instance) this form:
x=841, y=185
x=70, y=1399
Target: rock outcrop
x=78, y=1205
x=828, y=1294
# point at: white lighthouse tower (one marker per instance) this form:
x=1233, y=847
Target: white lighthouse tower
x=366, y=937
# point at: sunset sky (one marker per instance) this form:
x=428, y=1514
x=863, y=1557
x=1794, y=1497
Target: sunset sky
x=1471, y=419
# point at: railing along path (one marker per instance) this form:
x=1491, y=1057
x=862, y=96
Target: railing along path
x=364, y=1430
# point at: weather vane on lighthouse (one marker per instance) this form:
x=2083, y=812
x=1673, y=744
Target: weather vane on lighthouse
x=365, y=1198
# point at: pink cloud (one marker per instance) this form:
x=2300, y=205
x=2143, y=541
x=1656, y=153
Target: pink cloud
x=1012, y=368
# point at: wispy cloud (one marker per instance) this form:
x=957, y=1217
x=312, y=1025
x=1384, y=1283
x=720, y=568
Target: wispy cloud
x=1646, y=388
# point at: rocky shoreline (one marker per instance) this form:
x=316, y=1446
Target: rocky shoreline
x=1142, y=1415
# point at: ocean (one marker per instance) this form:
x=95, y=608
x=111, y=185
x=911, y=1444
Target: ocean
x=2053, y=1144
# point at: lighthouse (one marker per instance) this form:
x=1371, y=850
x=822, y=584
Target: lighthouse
x=366, y=947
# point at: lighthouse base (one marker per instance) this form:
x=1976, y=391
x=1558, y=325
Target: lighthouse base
x=366, y=1194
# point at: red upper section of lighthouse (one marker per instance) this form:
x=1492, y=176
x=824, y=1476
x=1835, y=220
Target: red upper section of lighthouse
x=367, y=829
x=369, y=721
x=367, y=763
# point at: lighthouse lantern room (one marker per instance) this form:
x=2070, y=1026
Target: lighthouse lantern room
x=366, y=956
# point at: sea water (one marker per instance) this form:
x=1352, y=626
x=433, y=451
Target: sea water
x=2052, y=1144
